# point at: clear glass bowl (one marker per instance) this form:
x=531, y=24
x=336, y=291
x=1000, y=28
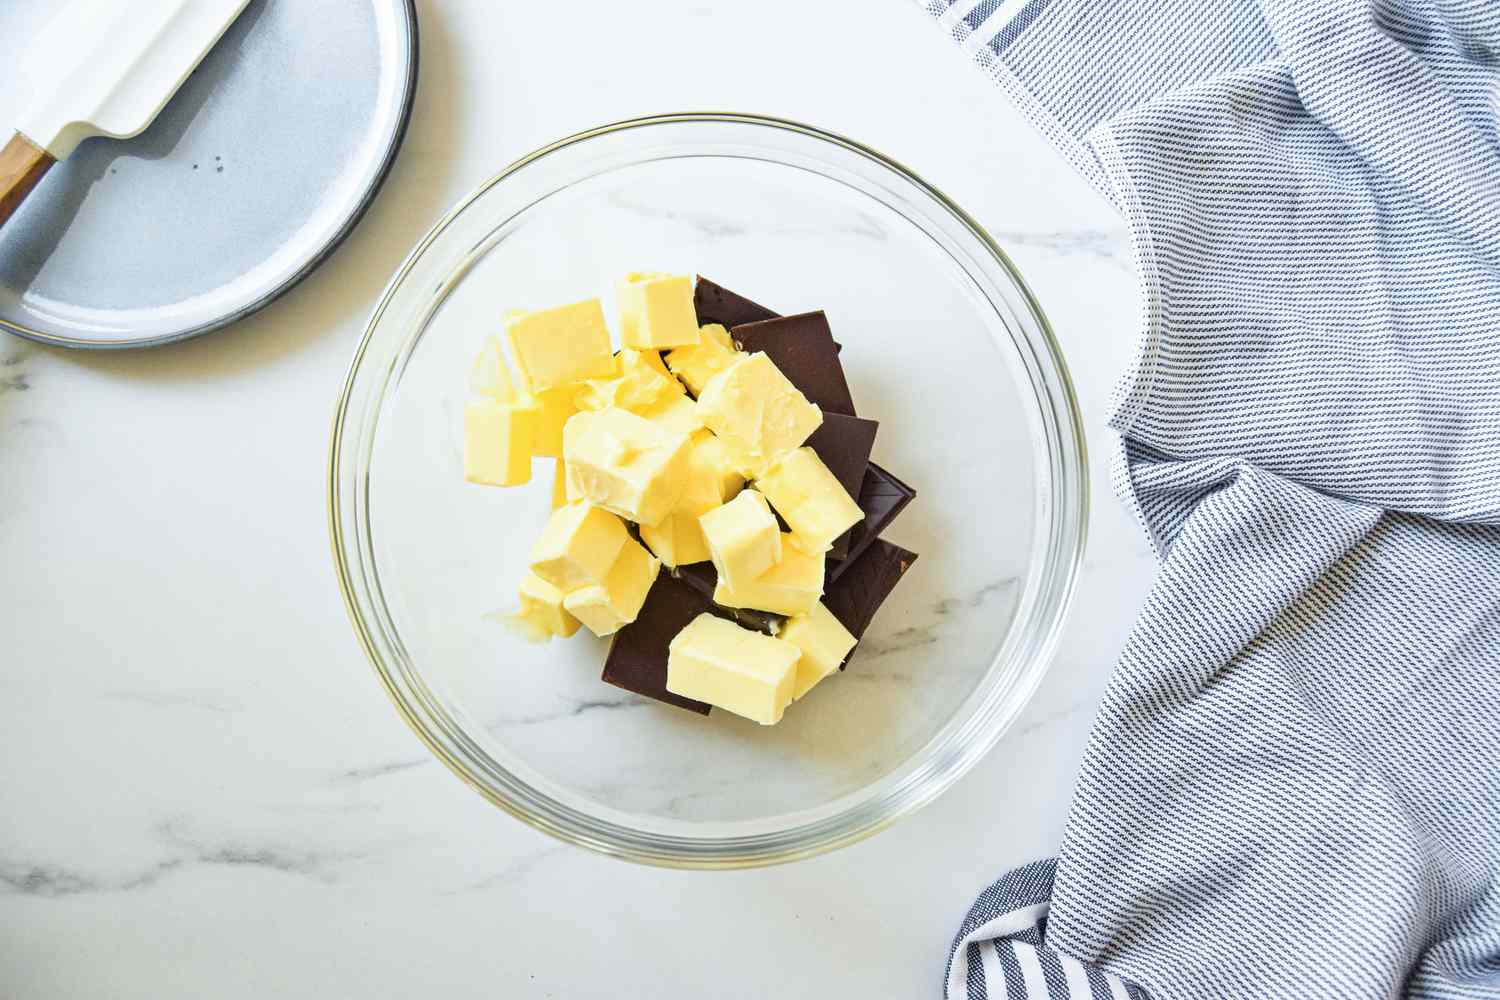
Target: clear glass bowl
x=943, y=344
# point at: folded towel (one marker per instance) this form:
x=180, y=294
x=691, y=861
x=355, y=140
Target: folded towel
x=1293, y=785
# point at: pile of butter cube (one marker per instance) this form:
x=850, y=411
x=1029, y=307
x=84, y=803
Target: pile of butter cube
x=700, y=479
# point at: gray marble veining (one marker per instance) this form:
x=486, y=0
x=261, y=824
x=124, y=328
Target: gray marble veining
x=577, y=708
x=167, y=699
x=184, y=850
x=13, y=375
x=714, y=226
x=709, y=226
x=1107, y=245
x=359, y=775
x=509, y=875
x=942, y=614
x=1051, y=718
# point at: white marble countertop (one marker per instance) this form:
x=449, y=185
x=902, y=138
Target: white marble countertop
x=205, y=791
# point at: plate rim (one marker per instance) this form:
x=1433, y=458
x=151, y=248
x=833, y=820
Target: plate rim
x=308, y=266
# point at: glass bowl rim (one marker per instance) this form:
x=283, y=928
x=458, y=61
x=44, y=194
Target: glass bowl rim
x=778, y=847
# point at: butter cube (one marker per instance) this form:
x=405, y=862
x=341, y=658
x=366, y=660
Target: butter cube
x=733, y=668
x=578, y=546
x=678, y=414
x=824, y=643
x=810, y=499
x=743, y=538
x=498, y=442
x=696, y=364
x=490, y=375
x=559, y=485
x=712, y=479
x=556, y=346
x=625, y=463
x=637, y=386
x=758, y=414
x=542, y=614
x=609, y=606
x=651, y=359
x=677, y=540
x=554, y=407
x=791, y=587
x=629, y=359
x=656, y=311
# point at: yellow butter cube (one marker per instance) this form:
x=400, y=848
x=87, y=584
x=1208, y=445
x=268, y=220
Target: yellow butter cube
x=542, y=615
x=490, y=375
x=756, y=412
x=656, y=311
x=712, y=479
x=743, y=538
x=678, y=414
x=556, y=346
x=559, y=485
x=554, y=407
x=578, y=546
x=609, y=606
x=823, y=642
x=498, y=442
x=629, y=358
x=636, y=386
x=698, y=363
x=810, y=499
x=677, y=540
x=625, y=463
x=653, y=359
x=733, y=668
x=791, y=587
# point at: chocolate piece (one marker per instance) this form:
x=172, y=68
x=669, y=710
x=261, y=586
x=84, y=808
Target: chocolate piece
x=858, y=594
x=716, y=304
x=803, y=348
x=702, y=577
x=637, y=659
x=881, y=496
x=844, y=443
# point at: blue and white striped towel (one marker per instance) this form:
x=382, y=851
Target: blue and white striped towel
x=1293, y=785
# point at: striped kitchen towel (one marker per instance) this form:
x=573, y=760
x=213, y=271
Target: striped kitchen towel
x=1292, y=788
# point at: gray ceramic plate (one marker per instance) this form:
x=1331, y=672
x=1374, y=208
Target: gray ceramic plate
x=256, y=171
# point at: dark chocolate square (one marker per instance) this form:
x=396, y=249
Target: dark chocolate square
x=803, y=348
x=858, y=594
x=637, y=659
x=844, y=444
x=881, y=496
x=703, y=578
x=716, y=304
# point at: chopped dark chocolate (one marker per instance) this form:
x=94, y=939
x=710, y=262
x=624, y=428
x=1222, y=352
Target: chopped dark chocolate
x=637, y=658
x=844, y=443
x=716, y=304
x=703, y=578
x=881, y=496
x=858, y=594
x=803, y=348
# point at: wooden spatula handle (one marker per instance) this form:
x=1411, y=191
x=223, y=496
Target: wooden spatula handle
x=22, y=166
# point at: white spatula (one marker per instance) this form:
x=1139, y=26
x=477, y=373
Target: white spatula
x=102, y=67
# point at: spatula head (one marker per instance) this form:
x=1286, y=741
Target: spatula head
x=108, y=67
